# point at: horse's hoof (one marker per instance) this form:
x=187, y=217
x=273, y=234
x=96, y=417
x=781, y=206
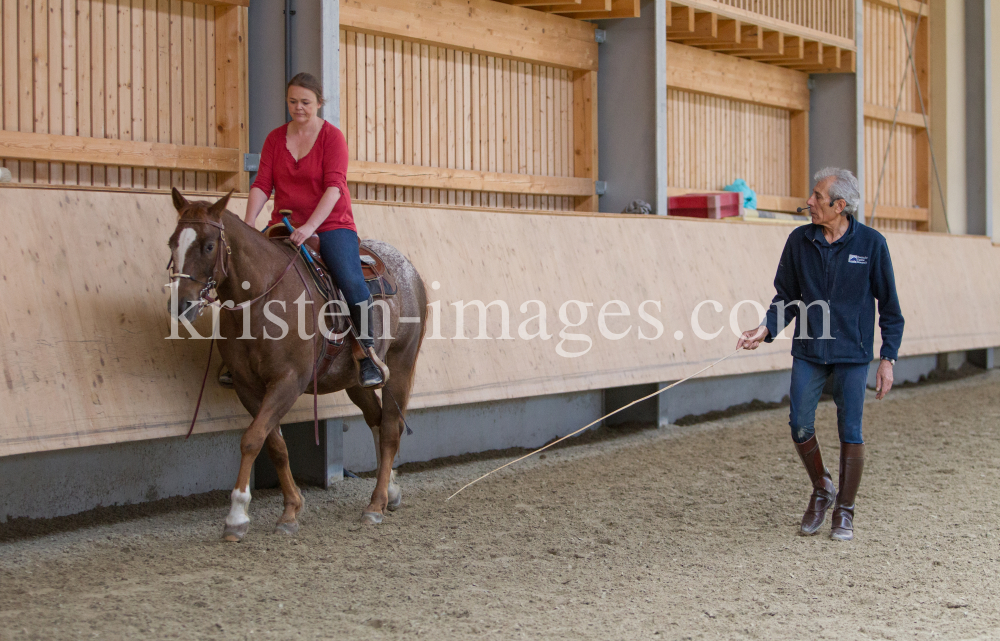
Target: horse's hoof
x=235, y=533
x=371, y=518
x=395, y=497
x=286, y=528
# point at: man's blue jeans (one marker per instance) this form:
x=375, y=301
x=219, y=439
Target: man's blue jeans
x=808, y=380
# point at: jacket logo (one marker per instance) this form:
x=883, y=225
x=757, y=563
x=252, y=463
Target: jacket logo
x=858, y=260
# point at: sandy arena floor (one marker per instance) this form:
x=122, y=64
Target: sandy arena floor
x=681, y=534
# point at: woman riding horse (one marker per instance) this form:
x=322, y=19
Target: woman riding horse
x=305, y=161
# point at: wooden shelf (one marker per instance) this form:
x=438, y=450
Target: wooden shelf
x=708, y=24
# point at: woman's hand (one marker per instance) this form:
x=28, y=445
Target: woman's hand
x=302, y=234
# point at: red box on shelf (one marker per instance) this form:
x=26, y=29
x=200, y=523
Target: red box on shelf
x=721, y=205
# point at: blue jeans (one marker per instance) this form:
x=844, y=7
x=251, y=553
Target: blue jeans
x=339, y=248
x=808, y=380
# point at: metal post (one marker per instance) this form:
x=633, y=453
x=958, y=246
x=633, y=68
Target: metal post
x=661, y=107
x=988, y=130
x=330, y=60
x=859, y=103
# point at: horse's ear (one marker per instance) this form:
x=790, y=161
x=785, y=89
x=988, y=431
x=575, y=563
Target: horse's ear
x=179, y=201
x=220, y=205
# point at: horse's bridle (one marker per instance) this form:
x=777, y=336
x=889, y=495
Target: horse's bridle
x=220, y=262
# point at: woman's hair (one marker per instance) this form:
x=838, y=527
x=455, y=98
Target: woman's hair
x=307, y=81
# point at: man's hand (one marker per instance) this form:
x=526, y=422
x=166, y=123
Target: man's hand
x=752, y=337
x=302, y=234
x=883, y=379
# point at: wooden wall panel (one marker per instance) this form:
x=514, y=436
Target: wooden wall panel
x=712, y=141
x=137, y=70
x=425, y=105
x=889, y=79
x=84, y=360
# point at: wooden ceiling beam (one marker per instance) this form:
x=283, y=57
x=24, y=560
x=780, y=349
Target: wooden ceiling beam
x=619, y=9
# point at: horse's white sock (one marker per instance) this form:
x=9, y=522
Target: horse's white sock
x=238, y=512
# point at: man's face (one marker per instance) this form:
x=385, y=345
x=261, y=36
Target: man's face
x=820, y=209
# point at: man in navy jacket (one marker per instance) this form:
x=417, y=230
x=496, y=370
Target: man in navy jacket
x=830, y=275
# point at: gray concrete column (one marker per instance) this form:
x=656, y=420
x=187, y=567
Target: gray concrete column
x=626, y=108
x=977, y=142
x=837, y=117
x=266, y=49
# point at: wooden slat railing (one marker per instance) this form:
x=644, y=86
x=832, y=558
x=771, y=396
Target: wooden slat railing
x=468, y=102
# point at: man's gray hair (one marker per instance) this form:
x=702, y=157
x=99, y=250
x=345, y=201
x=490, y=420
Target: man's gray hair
x=844, y=186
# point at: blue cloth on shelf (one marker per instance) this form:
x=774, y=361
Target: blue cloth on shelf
x=749, y=195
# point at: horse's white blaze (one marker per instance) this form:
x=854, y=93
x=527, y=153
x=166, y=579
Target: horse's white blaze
x=184, y=241
x=238, y=512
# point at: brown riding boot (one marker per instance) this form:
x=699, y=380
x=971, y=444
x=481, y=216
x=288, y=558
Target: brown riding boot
x=852, y=463
x=823, y=488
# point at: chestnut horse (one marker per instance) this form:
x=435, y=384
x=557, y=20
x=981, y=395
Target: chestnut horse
x=214, y=249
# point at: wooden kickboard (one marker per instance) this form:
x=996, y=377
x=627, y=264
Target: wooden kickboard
x=84, y=360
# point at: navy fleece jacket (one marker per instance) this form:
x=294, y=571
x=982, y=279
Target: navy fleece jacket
x=850, y=275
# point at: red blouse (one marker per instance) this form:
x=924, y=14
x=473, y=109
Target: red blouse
x=299, y=186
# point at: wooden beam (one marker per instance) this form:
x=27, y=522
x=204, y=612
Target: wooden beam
x=224, y=3
x=793, y=49
x=848, y=61
x=585, y=135
x=711, y=73
x=832, y=62
x=798, y=153
x=230, y=87
x=918, y=214
x=619, y=9
x=749, y=17
x=706, y=25
x=751, y=39
x=729, y=32
x=581, y=7
x=913, y=119
x=478, y=26
x=681, y=19
x=767, y=42
x=536, y=3
x=463, y=179
x=125, y=153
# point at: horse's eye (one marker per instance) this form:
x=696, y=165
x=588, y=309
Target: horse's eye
x=209, y=247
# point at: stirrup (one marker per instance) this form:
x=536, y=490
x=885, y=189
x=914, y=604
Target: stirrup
x=383, y=369
x=225, y=377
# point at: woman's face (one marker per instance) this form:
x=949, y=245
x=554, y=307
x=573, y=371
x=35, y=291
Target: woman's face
x=302, y=104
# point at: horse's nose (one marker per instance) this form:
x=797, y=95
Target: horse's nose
x=183, y=305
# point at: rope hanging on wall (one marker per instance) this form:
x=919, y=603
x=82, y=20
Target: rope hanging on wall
x=923, y=110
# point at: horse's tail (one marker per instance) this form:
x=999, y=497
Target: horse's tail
x=422, y=300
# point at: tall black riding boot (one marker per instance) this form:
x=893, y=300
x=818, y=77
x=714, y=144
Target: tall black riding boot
x=373, y=373
x=852, y=464
x=823, y=489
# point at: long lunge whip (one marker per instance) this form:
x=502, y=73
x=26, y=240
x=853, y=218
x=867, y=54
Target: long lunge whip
x=559, y=440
